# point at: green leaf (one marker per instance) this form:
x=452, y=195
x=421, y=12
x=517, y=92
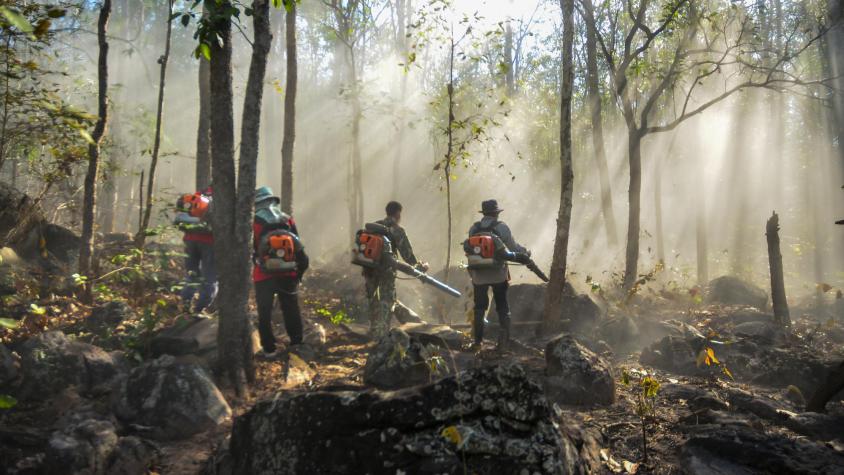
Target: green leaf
x=9, y=323
x=204, y=50
x=7, y=402
x=87, y=136
x=16, y=19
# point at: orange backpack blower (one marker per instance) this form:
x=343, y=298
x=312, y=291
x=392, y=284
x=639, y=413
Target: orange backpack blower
x=372, y=246
x=277, y=251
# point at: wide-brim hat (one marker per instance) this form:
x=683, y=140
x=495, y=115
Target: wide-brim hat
x=490, y=207
x=265, y=193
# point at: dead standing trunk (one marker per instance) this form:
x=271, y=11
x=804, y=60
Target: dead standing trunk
x=89, y=206
x=775, y=262
x=554, y=294
x=289, y=110
x=140, y=238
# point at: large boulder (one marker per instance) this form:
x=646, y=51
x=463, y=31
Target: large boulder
x=575, y=375
x=398, y=360
x=174, y=400
x=735, y=449
x=730, y=290
x=81, y=448
x=196, y=335
x=578, y=313
x=51, y=362
x=488, y=420
x=93, y=447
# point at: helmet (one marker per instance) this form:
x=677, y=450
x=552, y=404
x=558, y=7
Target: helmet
x=265, y=193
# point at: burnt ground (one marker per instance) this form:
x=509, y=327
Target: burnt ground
x=333, y=301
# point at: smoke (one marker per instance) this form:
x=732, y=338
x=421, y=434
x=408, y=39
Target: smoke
x=732, y=166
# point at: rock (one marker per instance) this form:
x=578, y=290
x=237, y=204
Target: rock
x=437, y=335
x=51, y=362
x=398, y=360
x=108, y=315
x=621, y=332
x=697, y=399
x=749, y=314
x=405, y=314
x=578, y=313
x=575, y=375
x=8, y=366
x=196, y=335
x=739, y=450
x=174, y=400
x=730, y=290
x=132, y=456
x=314, y=336
x=83, y=448
x=746, y=360
x=7, y=280
x=488, y=420
x=761, y=332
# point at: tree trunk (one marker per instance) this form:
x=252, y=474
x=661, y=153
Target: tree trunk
x=140, y=238
x=509, y=76
x=402, y=16
x=356, y=178
x=89, y=206
x=634, y=197
x=594, y=98
x=234, y=193
x=203, y=133
x=775, y=262
x=554, y=293
x=289, y=113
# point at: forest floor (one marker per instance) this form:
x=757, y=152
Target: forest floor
x=688, y=398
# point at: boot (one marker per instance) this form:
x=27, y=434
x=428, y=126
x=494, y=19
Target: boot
x=504, y=335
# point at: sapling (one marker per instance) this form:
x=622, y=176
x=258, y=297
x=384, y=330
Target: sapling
x=645, y=394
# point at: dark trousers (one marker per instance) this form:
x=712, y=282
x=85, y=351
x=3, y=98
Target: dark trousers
x=502, y=307
x=287, y=290
x=202, y=275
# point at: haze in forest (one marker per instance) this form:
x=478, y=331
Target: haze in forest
x=724, y=171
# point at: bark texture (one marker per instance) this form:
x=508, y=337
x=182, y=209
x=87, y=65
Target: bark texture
x=289, y=112
x=554, y=295
x=775, y=262
x=89, y=205
x=203, y=133
x=140, y=238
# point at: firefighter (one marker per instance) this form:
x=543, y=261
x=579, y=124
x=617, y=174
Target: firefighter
x=381, y=281
x=280, y=262
x=193, y=219
x=493, y=274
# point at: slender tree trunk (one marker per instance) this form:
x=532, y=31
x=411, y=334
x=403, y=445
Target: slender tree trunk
x=700, y=207
x=289, y=112
x=140, y=238
x=775, y=263
x=203, y=133
x=89, y=206
x=403, y=8
x=554, y=294
x=634, y=197
x=356, y=178
x=509, y=77
x=594, y=98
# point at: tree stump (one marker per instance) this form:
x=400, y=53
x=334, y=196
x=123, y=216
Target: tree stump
x=775, y=262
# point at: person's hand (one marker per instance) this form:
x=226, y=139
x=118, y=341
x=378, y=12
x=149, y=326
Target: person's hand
x=423, y=266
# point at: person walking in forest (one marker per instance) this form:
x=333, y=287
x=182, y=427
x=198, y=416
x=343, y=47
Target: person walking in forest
x=381, y=280
x=489, y=246
x=193, y=219
x=280, y=262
